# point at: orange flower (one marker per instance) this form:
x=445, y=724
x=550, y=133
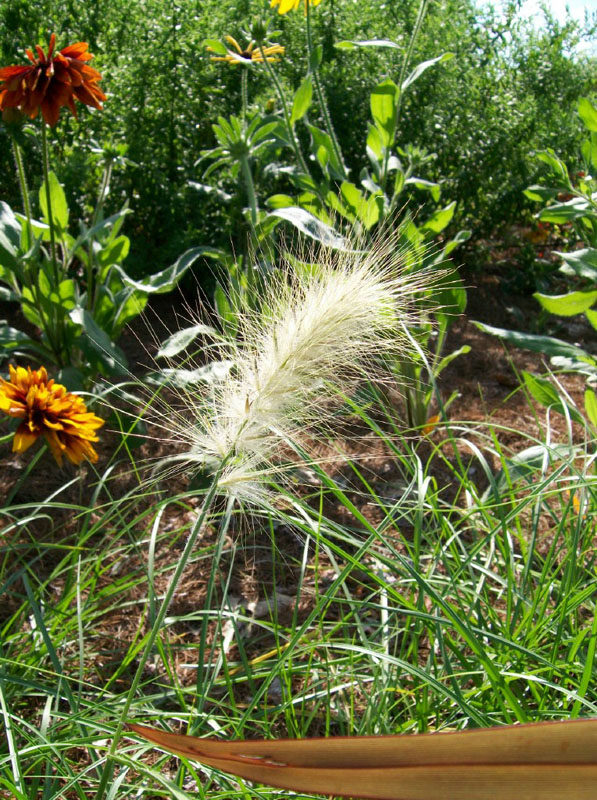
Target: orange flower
x=47, y=409
x=51, y=82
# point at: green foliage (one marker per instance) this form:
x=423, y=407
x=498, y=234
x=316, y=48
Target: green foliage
x=74, y=290
x=507, y=91
x=570, y=201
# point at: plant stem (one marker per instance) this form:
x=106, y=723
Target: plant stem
x=24, y=189
x=406, y=61
x=289, y=127
x=103, y=191
x=321, y=97
x=46, y=167
x=244, y=90
x=250, y=187
x=156, y=630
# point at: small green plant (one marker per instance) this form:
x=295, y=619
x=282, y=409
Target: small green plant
x=571, y=200
x=71, y=287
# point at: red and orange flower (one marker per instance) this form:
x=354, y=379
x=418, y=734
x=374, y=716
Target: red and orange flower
x=51, y=81
x=48, y=409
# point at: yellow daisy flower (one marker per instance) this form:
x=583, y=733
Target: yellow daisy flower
x=48, y=409
x=284, y=6
x=250, y=54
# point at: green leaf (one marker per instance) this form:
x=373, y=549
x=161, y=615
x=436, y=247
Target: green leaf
x=58, y=202
x=166, y=280
x=97, y=345
x=316, y=57
x=567, y=305
x=302, y=100
x=348, y=44
x=466, y=348
x=440, y=219
x=580, y=262
x=325, y=154
x=433, y=188
x=592, y=317
x=589, y=151
x=311, y=226
x=375, y=146
x=557, y=165
x=129, y=305
x=588, y=113
x=524, y=465
x=216, y=46
x=545, y=393
x=10, y=237
x=384, y=108
x=279, y=201
x=420, y=68
x=180, y=340
x=539, y=344
x=591, y=406
x=540, y=194
x=561, y=213
x=115, y=252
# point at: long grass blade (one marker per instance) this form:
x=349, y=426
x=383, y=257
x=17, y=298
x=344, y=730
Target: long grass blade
x=545, y=761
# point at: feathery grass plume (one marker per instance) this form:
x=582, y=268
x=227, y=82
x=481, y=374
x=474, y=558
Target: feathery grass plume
x=317, y=333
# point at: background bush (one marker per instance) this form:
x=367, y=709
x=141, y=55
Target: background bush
x=510, y=90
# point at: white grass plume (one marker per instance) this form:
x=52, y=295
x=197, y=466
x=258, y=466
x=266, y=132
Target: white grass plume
x=317, y=333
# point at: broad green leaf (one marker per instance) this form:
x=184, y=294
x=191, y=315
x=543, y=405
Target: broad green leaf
x=58, y=202
x=115, y=252
x=129, y=304
x=420, y=68
x=540, y=194
x=557, y=165
x=280, y=201
x=591, y=406
x=592, y=317
x=384, y=105
x=539, y=344
x=13, y=339
x=302, y=100
x=325, y=154
x=311, y=226
x=166, y=280
x=216, y=46
x=440, y=219
x=588, y=113
x=433, y=188
x=10, y=237
x=461, y=236
x=589, y=151
x=348, y=44
x=561, y=213
x=180, y=340
x=567, y=305
x=375, y=146
x=580, y=262
x=544, y=392
x=97, y=345
x=316, y=57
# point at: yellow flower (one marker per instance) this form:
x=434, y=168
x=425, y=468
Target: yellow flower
x=48, y=409
x=250, y=54
x=284, y=6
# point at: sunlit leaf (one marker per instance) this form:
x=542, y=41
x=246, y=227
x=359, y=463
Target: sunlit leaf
x=527, y=762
